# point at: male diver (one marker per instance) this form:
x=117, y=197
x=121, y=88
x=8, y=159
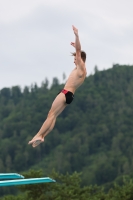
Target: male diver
x=66, y=96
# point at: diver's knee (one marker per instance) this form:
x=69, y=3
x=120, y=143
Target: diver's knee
x=51, y=114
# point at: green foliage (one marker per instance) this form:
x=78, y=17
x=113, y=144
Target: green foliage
x=92, y=135
x=69, y=187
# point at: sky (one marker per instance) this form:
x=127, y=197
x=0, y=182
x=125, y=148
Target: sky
x=35, y=37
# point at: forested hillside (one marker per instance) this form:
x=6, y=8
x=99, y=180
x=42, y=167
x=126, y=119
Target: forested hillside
x=93, y=135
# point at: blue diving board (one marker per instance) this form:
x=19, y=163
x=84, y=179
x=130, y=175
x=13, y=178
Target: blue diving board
x=26, y=181
x=10, y=176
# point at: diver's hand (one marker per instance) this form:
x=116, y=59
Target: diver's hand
x=73, y=44
x=75, y=30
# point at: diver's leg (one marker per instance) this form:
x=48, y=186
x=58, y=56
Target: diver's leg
x=57, y=107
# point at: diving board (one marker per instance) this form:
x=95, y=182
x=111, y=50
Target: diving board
x=10, y=176
x=26, y=181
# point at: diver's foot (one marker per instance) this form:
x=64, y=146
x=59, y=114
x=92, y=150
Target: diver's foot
x=36, y=141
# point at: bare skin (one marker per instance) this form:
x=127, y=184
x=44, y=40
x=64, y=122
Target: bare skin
x=75, y=79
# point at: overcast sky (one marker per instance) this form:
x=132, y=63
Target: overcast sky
x=35, y=37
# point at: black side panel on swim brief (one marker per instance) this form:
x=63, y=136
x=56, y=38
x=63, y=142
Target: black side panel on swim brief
x=69, y=97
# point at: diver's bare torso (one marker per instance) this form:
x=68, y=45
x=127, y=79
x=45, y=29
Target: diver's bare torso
x=75, y=79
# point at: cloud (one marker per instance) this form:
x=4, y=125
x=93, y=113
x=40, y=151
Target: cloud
x=36, y=35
